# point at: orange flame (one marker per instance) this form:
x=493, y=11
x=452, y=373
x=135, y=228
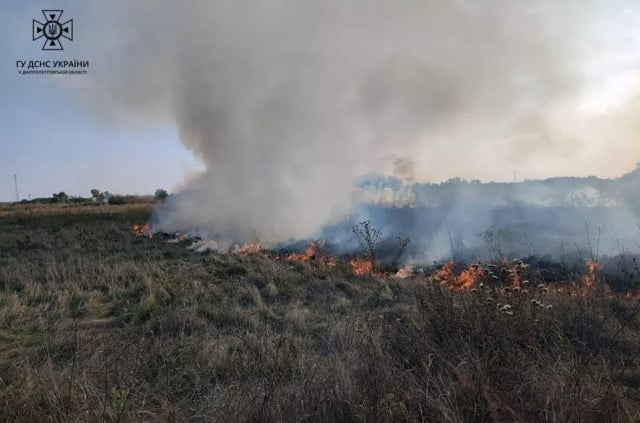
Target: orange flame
x=447, y=272
x=142, y=230
x=361, y=267
x=586, y=284
x=405, y=272
x=589, y=280
x=470, y=276
x=309, y=253
x=514, y=274
x=465, y=280
x=249, y=248
x=313, y=252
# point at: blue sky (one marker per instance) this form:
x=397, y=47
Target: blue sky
x=51, y=139
x=52, y=144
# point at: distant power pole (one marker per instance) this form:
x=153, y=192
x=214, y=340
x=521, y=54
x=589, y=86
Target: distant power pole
x=15, y=181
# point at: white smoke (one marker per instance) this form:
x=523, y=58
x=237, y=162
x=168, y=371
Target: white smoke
x=287, y=102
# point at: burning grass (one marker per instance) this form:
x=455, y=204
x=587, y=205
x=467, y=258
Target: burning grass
x=100, y=325
x=249, y=248
x=361, y=267
x=314, y=252
x=142, y=230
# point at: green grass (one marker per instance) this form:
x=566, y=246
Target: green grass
x=97, y=325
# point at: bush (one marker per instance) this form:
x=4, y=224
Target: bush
x=61, y=197
x=369, y=239
x=120, y=199
x=97, y=195
x=160, y=194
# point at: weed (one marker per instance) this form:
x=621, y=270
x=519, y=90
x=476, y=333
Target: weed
x=97, y=325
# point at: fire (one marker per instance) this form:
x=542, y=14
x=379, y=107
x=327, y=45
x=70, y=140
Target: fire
x=447, y=272
x=361, y=267
x=313, y=252
x=309, y=253
x=142, y=230
x=514, y=274
x=405, y=272
x=249, y=248
x=587, y=283
x=470, y=276
x=465, y=280
x=589, y=280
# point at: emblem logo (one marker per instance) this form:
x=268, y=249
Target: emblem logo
x=52, y=30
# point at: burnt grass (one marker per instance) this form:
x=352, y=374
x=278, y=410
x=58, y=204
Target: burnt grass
x=97, y=325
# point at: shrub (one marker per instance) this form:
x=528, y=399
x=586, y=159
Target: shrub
x=160, y=194
x=369, y=239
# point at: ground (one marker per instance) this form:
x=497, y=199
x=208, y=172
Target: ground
x=99, y=325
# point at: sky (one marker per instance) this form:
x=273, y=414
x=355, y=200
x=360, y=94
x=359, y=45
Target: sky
x=111, y=129
x=51, y=143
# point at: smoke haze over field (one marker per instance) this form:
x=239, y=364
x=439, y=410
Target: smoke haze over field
x=555, y=217
x=286, y=103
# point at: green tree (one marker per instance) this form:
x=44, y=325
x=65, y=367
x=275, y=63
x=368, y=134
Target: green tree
x=97, y=195
x=60, y=197
x=161, y=194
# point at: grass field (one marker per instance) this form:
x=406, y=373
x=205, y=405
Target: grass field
x=98, y=325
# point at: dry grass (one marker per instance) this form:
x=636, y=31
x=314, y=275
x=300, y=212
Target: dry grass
x=96, y=325
x=40, y=209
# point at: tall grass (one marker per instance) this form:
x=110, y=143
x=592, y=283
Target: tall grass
x=96, y=325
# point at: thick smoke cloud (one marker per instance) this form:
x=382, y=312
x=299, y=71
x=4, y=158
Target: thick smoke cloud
x=286, y=103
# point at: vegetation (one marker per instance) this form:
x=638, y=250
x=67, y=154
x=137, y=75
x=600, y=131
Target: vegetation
x=369, y=239
x=161, y=194
x=61, y=197
x=122, y=199
x=97, y=196
x=98, y=325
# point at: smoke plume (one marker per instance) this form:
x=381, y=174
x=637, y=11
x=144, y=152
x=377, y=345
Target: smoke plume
x=286, y=103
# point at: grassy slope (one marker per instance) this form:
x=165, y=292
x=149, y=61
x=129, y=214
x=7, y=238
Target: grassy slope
x=96, y=325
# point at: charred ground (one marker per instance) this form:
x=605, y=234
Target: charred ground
x=99, y=325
